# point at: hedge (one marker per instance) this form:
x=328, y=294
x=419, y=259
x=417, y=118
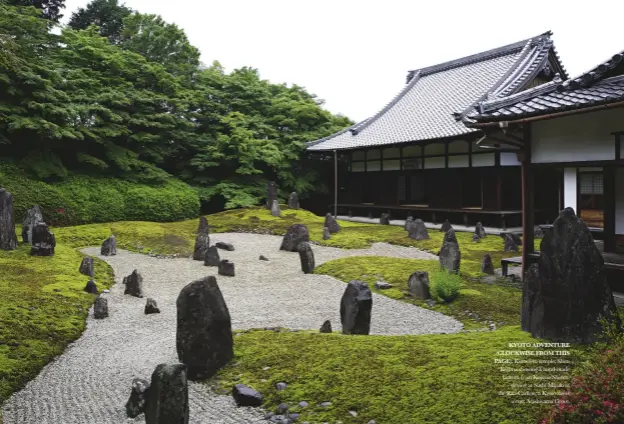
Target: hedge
x=82, y=199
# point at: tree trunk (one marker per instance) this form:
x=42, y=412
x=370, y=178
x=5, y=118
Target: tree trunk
x=8, y=238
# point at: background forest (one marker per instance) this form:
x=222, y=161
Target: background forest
x=117, y=95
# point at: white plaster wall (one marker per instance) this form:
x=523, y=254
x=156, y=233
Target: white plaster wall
x=437, y=162
x=576, y=138
x=458, y=161
x=483, y=159
x=569, y=188
x=619, y=200
x=509, y=159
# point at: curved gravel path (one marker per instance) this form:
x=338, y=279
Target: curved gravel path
x=90, y=381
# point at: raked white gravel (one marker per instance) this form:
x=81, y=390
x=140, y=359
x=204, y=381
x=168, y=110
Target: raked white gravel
x=90, y=382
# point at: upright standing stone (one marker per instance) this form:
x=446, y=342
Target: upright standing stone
x=100, y=308
x=109, y=247
x=355, y=308
x=212, y=257
x=331, y=224
x=384, y=219
x=91, y=287
x=8, y=238
x=450, y=256
x=151, y=307
x=293, y=200
x=271, y=194
x=134, y=284
x=203, y=227
x=306, y=255
x=487, y=266
x=418, y=285
x=167, y=397
x=226, y=268
x=446, y=226
x=510, y=244
x=202, y=243
x=479, y=230
x=566, y=293
x=296, y=234
x=138, y=398
x=204, y=334
x=32, y=218
x=326, y=327
x=275, y=209
x=326, y=233
x=408, y=222
x=43, y=241
x=86, y=266
x=417, y=230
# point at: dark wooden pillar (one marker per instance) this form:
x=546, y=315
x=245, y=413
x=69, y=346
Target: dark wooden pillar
x=609, y=208
x=528, y=209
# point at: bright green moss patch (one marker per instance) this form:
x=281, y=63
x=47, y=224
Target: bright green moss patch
x=42, y=309
x=490, y=302
x=442, y=379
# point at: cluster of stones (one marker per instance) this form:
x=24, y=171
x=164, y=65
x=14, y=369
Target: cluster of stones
x=566, y=295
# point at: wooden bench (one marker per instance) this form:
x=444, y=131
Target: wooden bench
x=516, y=260
x=433, y=210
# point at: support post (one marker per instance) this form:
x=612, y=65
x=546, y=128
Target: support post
x=335, y=184
x=528, y=210
x=609, y=209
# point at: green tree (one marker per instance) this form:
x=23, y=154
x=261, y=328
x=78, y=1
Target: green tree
x=160, y=42
x=51, y=9
x=108, y=15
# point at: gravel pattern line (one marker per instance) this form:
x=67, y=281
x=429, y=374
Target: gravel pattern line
x=90, y=381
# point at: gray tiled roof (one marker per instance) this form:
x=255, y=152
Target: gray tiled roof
x=602, y=85
x=436, y=98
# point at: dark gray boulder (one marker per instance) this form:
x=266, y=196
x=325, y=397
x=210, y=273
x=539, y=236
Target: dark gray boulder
x=418, y=285
x=246, y=396
x=138, y=398
x=326, y=233
x=263, y=258
x=446, y=226
x=32, y=218
x=487, y=266
x=203, y=227
x=91, y=287
x=355, y=308
x=480, y=231
x=167, y=397
x=476, y=238
x=43, y=240
x=109, y=247
x=417, y=230
x=450, y=256
x=326, y=327
x=566, y=294
x=225, y=246
x=408, y=222
x=8, y=237
x=151, y=307
x=384, y=219
x=204, y=329
x=306, y=255
x=226, y=268
x=293, y=200
x=510, y=244
x=297, y=233
x=331, y=224
x=202, y=243
x=275, y=209
x=100, y=308
x=212, y=256
x=86, y=266
x=271, y=194
x=134, y=284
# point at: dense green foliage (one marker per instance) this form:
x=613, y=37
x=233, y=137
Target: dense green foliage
x=445, y=285
x=50, y=9
x=80, y=199
x=130, y=100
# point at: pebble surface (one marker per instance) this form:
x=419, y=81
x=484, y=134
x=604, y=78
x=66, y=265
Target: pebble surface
x=91, y=381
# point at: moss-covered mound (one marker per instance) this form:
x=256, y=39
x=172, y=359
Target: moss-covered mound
x=42, y=308
x=442, y=379
x=490, y=302
x=80, y=199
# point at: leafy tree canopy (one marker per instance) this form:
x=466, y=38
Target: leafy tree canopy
x=108, y=15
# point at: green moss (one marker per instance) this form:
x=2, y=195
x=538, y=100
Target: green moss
x=43, y=308
x=392, y=379
x=491, y=302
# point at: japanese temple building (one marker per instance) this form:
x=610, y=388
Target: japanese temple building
x=418, y=157
x=574, y=128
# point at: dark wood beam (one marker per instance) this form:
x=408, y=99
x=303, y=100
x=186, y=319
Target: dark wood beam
x=609, y=209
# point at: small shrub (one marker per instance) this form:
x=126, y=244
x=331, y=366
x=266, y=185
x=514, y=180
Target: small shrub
x=445, y=285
